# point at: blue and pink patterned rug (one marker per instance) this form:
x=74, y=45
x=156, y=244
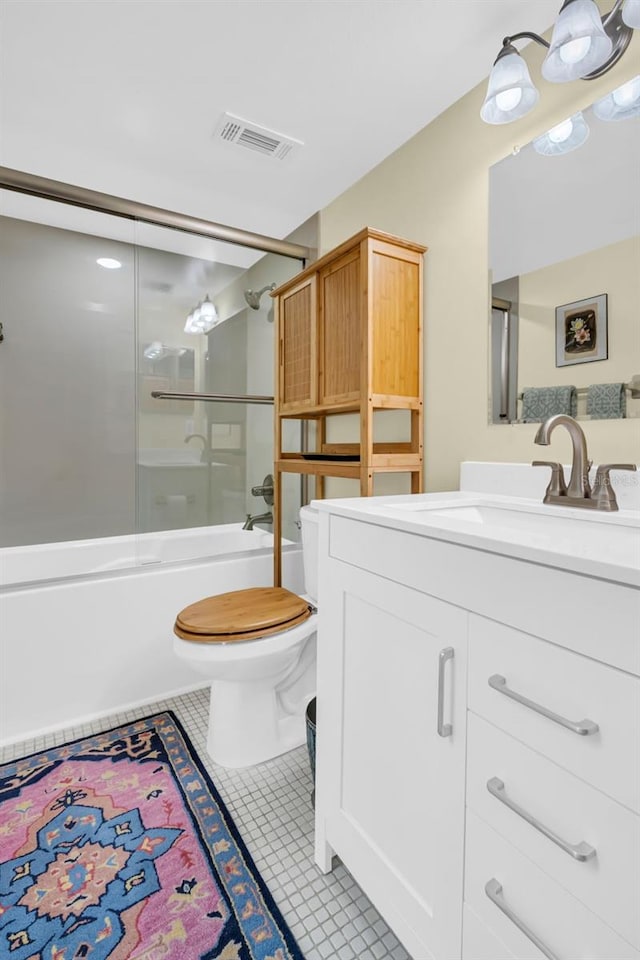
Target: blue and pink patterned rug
x=119, y=846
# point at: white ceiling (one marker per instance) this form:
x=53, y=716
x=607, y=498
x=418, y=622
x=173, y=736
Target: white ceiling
x=123, y=96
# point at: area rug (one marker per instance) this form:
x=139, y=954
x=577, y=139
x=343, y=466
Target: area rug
x=119, y=846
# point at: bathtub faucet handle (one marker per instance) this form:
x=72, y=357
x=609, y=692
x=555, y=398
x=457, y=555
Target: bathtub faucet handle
x=265, y=489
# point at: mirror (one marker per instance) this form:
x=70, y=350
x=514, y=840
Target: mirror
x=564, y=258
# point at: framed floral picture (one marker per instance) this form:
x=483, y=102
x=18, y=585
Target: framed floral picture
x=581, y=331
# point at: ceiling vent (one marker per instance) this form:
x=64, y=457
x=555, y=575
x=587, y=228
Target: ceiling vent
x=244, y=133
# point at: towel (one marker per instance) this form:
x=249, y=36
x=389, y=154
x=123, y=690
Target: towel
x=540, y=403
x=606, y=401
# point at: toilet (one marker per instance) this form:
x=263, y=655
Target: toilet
x=258, y=648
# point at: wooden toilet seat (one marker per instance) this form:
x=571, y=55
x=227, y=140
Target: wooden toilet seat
x=241, y=615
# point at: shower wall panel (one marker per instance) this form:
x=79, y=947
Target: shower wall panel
x=67, y=386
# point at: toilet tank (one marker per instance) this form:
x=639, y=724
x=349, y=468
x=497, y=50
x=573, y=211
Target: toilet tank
x=309, y=528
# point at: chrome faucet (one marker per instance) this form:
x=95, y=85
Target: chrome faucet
x=578, y=493
x=578, y=488
x=259, y=518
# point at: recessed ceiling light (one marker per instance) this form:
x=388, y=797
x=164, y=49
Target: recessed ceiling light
x=108, y=263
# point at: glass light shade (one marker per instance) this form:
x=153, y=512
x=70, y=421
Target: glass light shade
x=621, y=103
x=154, y=351
x=192, y=325
x=203, y=319
x=579, y=44
x=563, y=138
x=510, y=93
x=208, y=310
x=631, y=13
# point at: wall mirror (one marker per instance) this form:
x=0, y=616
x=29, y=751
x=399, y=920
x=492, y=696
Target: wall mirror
x=564, y=258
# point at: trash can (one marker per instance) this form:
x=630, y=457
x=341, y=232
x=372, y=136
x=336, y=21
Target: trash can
x=310, y=715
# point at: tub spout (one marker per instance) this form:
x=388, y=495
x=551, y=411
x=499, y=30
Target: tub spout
x=260, y=518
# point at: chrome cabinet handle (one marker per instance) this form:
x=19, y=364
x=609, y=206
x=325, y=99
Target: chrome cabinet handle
x=584, y=728
x=579, y=851
x=444, y=729
x=493, y=890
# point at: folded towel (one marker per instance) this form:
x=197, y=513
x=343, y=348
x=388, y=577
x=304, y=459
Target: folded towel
x=606, y=401
x=540, y=403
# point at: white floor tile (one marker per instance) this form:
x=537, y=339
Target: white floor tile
x=270, y=804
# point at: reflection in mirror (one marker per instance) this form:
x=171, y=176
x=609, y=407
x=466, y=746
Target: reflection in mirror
x=564, y=257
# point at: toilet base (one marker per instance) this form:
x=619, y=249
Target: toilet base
x=247, y=724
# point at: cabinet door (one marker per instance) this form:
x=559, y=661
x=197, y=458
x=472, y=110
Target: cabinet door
x=390, y=787
x=340, y=339
x=395, y=329
x=297, y=365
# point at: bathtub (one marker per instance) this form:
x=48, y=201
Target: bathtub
x=86, y=626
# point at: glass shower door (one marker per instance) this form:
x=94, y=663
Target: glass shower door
x=199, y=459
x=67, y=375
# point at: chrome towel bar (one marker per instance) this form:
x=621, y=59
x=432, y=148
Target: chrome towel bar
x=211, y=397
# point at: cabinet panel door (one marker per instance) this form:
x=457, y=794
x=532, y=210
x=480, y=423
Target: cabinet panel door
x=390, y=789
x=340, y=330
x=297, y=376
x=395, y=297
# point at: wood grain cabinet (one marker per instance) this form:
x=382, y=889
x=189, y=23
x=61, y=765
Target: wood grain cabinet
x=349, y=335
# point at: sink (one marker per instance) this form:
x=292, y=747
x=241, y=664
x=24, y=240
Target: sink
x=558, y=535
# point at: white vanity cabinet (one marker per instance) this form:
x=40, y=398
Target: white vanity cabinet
x=515, y=833
x=392, y=716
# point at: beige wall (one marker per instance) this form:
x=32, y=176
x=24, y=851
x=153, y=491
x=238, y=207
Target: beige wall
x=435, y=190
x=614, y=270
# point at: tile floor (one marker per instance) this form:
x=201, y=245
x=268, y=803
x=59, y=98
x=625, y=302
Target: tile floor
x=329, y=916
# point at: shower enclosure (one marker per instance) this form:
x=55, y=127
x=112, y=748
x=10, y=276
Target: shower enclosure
x=95, y=308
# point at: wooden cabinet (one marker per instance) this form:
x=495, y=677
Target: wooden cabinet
x=349, y=335
x=297, y=333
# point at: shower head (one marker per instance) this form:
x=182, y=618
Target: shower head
x=253, y=296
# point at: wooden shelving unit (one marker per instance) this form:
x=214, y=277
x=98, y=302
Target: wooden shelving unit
x=349, y=340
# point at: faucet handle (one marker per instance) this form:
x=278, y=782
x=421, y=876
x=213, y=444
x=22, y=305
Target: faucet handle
x=605, y=494
x=557, y=485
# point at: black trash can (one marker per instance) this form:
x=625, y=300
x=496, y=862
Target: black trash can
x=310, y=715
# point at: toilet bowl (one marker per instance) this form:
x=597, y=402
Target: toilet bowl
x=258, y=648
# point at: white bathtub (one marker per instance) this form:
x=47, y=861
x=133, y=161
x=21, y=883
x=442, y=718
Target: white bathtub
x=55, y=561
x=86, y=626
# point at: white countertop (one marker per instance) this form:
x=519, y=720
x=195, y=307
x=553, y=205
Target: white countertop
x=589, y=542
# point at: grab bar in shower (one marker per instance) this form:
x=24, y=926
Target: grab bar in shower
x=211, y=397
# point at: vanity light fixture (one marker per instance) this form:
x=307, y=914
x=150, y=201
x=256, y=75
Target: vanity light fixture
x=202, y=318
x=631, y=13
x=583, y=45
x=621, y=103
x=154, y=351
x=108, y=263
x=563, y=138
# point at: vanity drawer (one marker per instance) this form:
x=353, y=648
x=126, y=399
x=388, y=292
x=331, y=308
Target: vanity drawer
x=566, y=928
x=480, y=943
x=608, y=881
x=572, y=687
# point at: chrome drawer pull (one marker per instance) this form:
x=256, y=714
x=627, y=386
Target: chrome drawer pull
x=579, y=851
x=493, y=890
x=444, y=729
x=584, y=728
